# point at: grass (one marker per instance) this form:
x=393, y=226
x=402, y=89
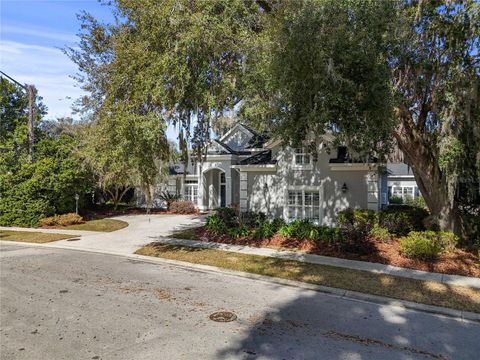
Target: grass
x=431, y=293
x=32, y=237
x=189, y=234
x=105, y=225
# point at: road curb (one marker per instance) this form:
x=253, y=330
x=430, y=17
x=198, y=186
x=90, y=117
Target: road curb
x=341, y=293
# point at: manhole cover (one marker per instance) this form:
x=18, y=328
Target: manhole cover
x=76, y=239
x=223, y=316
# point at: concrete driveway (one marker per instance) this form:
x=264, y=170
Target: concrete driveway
x=65, y=304
x=141, y=230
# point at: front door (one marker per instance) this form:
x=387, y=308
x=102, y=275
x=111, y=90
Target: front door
x=223, y=187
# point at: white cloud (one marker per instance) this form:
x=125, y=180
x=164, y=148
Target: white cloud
x=45, y=67
x=38, y=32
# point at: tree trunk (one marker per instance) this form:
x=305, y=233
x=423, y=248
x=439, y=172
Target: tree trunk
x=431, y=181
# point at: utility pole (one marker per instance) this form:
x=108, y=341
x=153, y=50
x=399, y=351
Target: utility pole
x=32, y=92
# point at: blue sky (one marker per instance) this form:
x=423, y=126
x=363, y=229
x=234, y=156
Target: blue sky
x=31, y=33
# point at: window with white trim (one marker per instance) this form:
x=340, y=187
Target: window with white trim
x=304, y=204
x=405, y=191
x=191, y=191
x=302, y=157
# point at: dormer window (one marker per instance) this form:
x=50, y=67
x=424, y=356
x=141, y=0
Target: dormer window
x=302, y=157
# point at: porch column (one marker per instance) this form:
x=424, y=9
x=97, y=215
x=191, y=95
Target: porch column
x=372, y=191
x=202, y=183
x=243, y=191
x=228, y=186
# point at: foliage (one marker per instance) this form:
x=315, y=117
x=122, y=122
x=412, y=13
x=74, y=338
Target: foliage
x=33, y=190
x=355, y=226
x=168, y=198
x=401, y=219
x=62, y=220
x=376, y=74
x=238, y=231
x=123, y=150
x=300, y=229
x=360, y=219
x=252, y=219
x=395, y=200
x=418, y=201
x=426, y=245
x=379, y=233
x=228, y=215
x=182, y=207
x=215, y=225
x=267, y=229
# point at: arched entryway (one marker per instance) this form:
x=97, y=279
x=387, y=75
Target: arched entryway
x=215, y=188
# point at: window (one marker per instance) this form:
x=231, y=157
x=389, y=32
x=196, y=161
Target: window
x=302, y=157
x=408, y=192
x=304, y=204
x=191, y=191
x=404, y=192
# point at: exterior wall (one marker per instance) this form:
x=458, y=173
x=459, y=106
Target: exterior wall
x=267, y=191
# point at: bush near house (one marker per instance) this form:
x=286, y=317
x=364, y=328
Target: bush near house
x=402, y=219
x=182, y=207
x=426, y=244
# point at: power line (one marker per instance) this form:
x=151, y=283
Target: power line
x=13, y=80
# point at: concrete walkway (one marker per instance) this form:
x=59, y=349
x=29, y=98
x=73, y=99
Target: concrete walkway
x=332, y=261
x=141, y=230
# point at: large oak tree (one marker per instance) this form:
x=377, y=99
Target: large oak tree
x=377, y=74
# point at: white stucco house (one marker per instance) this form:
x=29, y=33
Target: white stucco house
x=246, y=169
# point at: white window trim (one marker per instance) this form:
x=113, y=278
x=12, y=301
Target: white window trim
x=402, y=188
x=302, y=166
x=304, y=188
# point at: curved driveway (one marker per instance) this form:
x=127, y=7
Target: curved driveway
x=141, y=230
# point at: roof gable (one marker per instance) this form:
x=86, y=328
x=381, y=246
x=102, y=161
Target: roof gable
x=238, y=137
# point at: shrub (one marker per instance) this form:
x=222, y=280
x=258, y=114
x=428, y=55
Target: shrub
x=267, y=229
x=62, y=220
x=214, y=224
x=419, y=202
x=355, y=226
x=300, y=229
x=394, y=199
x=426, y=244
x=238, y=231
x=253, y=219
x=402, y=219
x=182, y=207
x=379, y=233
x=328, y=234
x=228, y=215
x=360, y=219
x=168, y=197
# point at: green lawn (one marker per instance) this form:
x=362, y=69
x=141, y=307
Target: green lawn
x=188, y=234
x=431, y=293
x=106, y=225
x=32, y=237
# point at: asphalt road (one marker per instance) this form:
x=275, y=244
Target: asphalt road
x=67, y=304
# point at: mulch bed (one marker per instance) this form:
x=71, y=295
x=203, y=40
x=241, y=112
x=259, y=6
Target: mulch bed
x=457, y=262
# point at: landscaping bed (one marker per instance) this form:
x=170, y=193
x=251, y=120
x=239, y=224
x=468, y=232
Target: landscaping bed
x=72, y=221
x=432, y=293
x=351, y=242
x=456, y=262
